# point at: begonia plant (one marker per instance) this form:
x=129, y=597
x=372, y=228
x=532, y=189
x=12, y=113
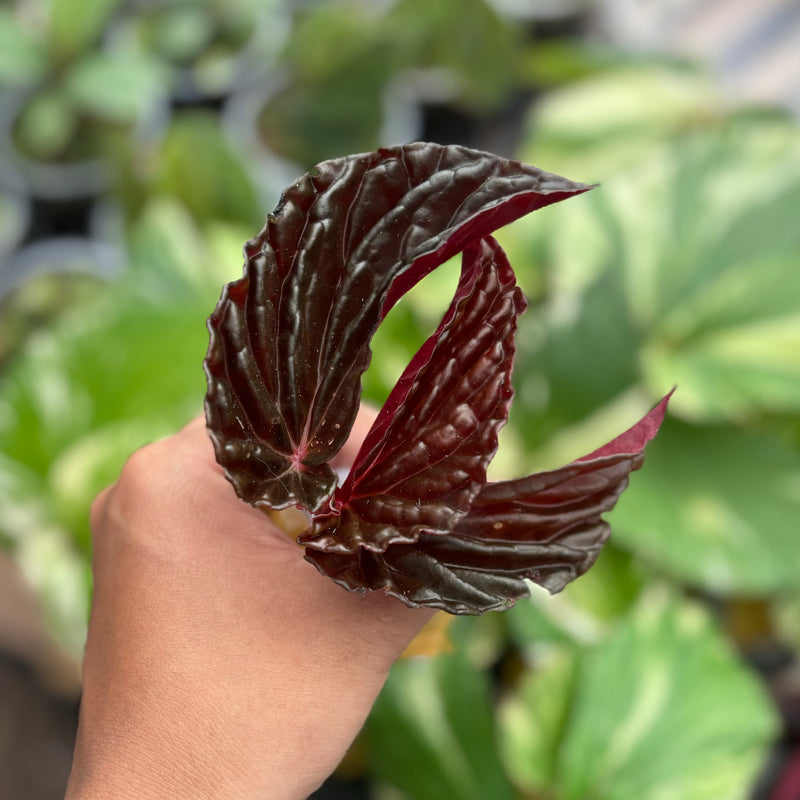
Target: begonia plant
x=289, y=342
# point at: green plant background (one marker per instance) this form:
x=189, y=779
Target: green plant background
x=639, y=680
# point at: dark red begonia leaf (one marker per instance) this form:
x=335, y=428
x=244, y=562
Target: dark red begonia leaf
x=425, y=458
x=289, y=341
x=546, y=528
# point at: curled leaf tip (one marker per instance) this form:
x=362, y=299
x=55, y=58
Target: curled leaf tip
x=290, y=340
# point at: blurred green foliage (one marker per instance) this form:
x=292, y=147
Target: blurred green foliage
x=681, y=268
x=604, y=719
x=71, y=91
x=459, y=48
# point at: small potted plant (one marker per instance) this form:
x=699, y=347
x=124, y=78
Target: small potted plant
x=71, y=104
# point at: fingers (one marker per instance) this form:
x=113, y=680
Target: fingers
x=190, y=453
x=189, y=448
x=97, y=510
x=198, y=423
x=195, y=436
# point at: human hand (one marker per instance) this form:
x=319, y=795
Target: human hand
x=219, y=664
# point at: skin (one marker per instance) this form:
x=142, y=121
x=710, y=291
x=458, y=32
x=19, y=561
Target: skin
x=219, y=663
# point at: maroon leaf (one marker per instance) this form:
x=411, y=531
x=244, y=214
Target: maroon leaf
x=425, y=458
x=289, y=341
x=545, y=527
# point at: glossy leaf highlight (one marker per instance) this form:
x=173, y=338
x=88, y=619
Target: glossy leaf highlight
x=290, y=341
x=425, y=458
x=546, y=528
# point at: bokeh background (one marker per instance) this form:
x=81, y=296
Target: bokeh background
x=143, y=141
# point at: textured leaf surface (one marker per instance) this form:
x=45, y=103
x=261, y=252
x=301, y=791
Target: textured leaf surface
x=290, y=339
x=426, y=456
x=546, y=528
